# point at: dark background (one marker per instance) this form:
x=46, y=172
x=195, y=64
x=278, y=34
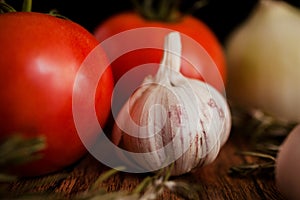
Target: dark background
x=222, y=16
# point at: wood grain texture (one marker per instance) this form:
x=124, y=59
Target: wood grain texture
x=213, y=181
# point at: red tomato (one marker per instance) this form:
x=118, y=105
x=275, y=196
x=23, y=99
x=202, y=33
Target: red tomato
x=40, y=56
x=188, y=25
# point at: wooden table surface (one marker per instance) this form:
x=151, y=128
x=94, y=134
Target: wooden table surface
x=213, y=180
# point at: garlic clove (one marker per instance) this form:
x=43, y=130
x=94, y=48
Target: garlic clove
x=173, y=119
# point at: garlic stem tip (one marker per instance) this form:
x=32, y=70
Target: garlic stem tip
x=172, y=51
x=173, y=43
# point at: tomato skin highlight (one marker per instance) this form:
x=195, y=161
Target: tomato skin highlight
x=40, y=57
x=187, y=25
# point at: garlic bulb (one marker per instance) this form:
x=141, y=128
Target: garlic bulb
x=173, y=119
x=263, y=57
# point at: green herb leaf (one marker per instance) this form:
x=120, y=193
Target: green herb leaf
x=18, y=150
x=5, y=8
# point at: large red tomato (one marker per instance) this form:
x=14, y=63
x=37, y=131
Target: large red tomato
x=40, y=56
x=188, y=25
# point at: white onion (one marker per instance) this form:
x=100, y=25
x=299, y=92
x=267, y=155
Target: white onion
x=264, y=61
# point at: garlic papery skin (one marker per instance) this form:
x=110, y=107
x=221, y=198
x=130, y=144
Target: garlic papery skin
x=263, y=56
x=173, y=119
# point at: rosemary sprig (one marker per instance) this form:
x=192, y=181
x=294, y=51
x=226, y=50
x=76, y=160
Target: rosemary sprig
x=5, y=8
x=266, y=135
x=150, y=188
x=17, y=150
x=267, y=164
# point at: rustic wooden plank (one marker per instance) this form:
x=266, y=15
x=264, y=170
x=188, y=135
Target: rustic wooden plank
x=213, y=180
x=218, y=184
